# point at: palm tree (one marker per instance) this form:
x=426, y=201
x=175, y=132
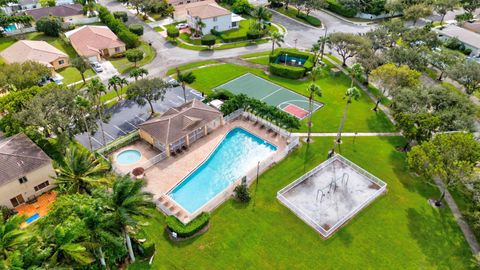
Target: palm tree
x=313, y=90
x=276, y=38
x=12, y=237
x=185, y=78
x=199, y=25
x=356, y=70
x=96, y=89
x=322, y=41
x=138, y=72
x=115, y=83
x=84, y=106
x=315, y=50
x=128, y=202
x=352, y=93
x=261, y=13
x=80, y=171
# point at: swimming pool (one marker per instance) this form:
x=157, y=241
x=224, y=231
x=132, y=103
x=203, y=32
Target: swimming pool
x=238, y=153
x=128, y=157
x=10, y=28
x=32, y=218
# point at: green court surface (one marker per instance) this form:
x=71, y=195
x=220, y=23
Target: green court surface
x=271, y=93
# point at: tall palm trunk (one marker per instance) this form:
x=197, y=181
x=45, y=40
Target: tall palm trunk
x=88, y=132
x=342, y=122
x=310, y=104
x=129, y=245
x=100, y=113
x=184, y=92
x=102, y=257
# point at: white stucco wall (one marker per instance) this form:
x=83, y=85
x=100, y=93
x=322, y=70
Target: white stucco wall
x=222, y=23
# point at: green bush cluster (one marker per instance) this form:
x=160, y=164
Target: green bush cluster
x=121, y=15
x=242, y=193
x=136, y=28
x=457, y=45
x=254, y=34
x=130, y=39
x=189, y=229
x=310, y=19
x=338, y=8
x=219, y=94
x=287, y=71
x=208, y=40
x=172, y=32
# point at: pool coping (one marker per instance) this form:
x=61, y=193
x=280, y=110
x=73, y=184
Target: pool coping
x=196, y=212
x=128, y=149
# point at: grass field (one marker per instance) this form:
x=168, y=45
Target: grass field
x=360, y=116
x=123, y=65
x=264, y=60
x=191, y=65
x=397, y=231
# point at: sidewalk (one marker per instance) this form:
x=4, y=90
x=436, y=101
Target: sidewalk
x=347, y=134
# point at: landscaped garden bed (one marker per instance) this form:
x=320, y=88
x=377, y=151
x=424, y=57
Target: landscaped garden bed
x=290, y=63
x=177, y=231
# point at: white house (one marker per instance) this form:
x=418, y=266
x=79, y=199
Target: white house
x=469, y=38
x=213, y=16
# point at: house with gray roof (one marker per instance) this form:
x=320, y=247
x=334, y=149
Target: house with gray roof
x=25, y=170
x=180, y=126
x=469, y=38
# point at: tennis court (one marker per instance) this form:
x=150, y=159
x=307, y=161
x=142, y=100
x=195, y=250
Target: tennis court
x=271, y=93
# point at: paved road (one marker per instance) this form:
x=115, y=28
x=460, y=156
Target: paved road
x=127, y=115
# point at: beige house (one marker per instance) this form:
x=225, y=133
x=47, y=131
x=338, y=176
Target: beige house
x=25, y=171
x=180, y=126
x=33, y=50
x=68, y=13
x=95, y=42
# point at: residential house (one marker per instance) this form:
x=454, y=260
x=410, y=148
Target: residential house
x=24, y=5
x=95, y=42
x=472, y=26
x=176, y=3
x=469, y=38
x=25, y=171
x=35, y=50
x=68, y=13
x=213, y=16
x=180, y=126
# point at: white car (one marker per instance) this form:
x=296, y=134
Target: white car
x=181, y=26
x=171, y=81
x=96, y=66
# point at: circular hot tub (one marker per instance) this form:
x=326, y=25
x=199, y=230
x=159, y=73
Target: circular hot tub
x=128, y=157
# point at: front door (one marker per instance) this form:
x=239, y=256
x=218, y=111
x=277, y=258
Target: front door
x=16, y=201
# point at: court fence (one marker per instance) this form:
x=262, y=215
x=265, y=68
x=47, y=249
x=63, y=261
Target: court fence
x=118, y=143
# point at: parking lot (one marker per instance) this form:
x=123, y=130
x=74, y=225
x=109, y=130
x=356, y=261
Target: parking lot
x=127, y=115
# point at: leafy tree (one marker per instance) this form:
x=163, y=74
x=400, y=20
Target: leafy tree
x=311, y=5
x=381, y=38
x=208, y=40
x=347, y=45
x=146, y=91
x=261, y=14
x=369, y=60
x=138, y=73
x=134, y=56
x=470, y=5
x=242, y=7
x=467, y=74
x=129, y=202
x=444, y=6
x=415, y=58
x=390, y=78
x=461, y=18
x=80, y=171
x=420, y=37
x=116, y=83
x=416, y=12
x=416, y=127
x=18, y=76
x=47, y=3
x=444, y=60
x=448, y=157
x=12, y=238
x=355, y=71
x=185, y=78
x=352, y=93
x=172, y=32
x=81, y=64
x=85, y=106
x=50, y=25
x=395, y=28
x=276, y=38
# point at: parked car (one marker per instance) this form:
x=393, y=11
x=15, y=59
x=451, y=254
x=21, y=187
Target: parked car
x=181, y=26
x=171, y=81
x=96, y=66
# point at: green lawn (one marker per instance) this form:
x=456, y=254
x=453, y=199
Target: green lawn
x=399, y=230
x=292, y=13
x=158, y=29
x=57, y=42
x=123, y=65
x=264, y=60
x=191, y=65
x=360, y=117
x=266, y=53
x=71, y=75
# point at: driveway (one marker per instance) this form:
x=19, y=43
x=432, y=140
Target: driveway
x=127, y=115
x=108, y=70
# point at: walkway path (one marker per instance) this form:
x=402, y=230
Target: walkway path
x=348, y=134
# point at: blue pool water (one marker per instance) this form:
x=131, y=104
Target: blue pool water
x=238, y=153
x=32, y=218
x=128, y=157
x=10, y=28
x=281, y=60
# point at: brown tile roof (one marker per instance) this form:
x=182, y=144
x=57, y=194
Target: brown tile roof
x=35, y=50
x=475, y=27
x=90, y=40
x=59, y=11
x=18, y=156
x=208, y=10
x=179, y=121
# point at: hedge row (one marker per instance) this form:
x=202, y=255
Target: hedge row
x=191, y=228
x=310, y=19
x=136, y=28
x=287, y=71
x=130, y=39
x=295, y=53
x=338, y=8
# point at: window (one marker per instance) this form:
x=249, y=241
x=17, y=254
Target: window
x=61, y=62
x=215, y=28
x=214, y=19
x=23, y=180
x=16, y=201
x=234, y=24
x=41, y=186
x=117, y=49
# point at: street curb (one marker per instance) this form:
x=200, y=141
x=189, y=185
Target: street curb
x=299, y=22
x=344, y=19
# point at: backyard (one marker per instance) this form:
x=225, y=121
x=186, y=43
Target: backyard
x=360, y=116
x=399, y=230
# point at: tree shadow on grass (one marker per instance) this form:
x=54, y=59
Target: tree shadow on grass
x=438, y=236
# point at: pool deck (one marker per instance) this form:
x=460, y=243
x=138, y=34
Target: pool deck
x=41, y=206
x=165, y=175
x=146, y=149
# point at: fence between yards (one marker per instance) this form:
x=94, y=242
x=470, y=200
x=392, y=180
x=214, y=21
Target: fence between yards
x=305, y=217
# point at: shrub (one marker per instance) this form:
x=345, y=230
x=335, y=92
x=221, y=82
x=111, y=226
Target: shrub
x=6, y=212
x=310, y=19
x=215, y=32
x=208, y=40
x=147, y=248
x=136, y=28
x=121, y=15
x=242, y=193
x=254, y=34
x=287, y=71
x=130, y=39
x=242, y=7
x=191, y=228
x=172, y=32
x=50, y=25
x=219, y=94
x=338, y=8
